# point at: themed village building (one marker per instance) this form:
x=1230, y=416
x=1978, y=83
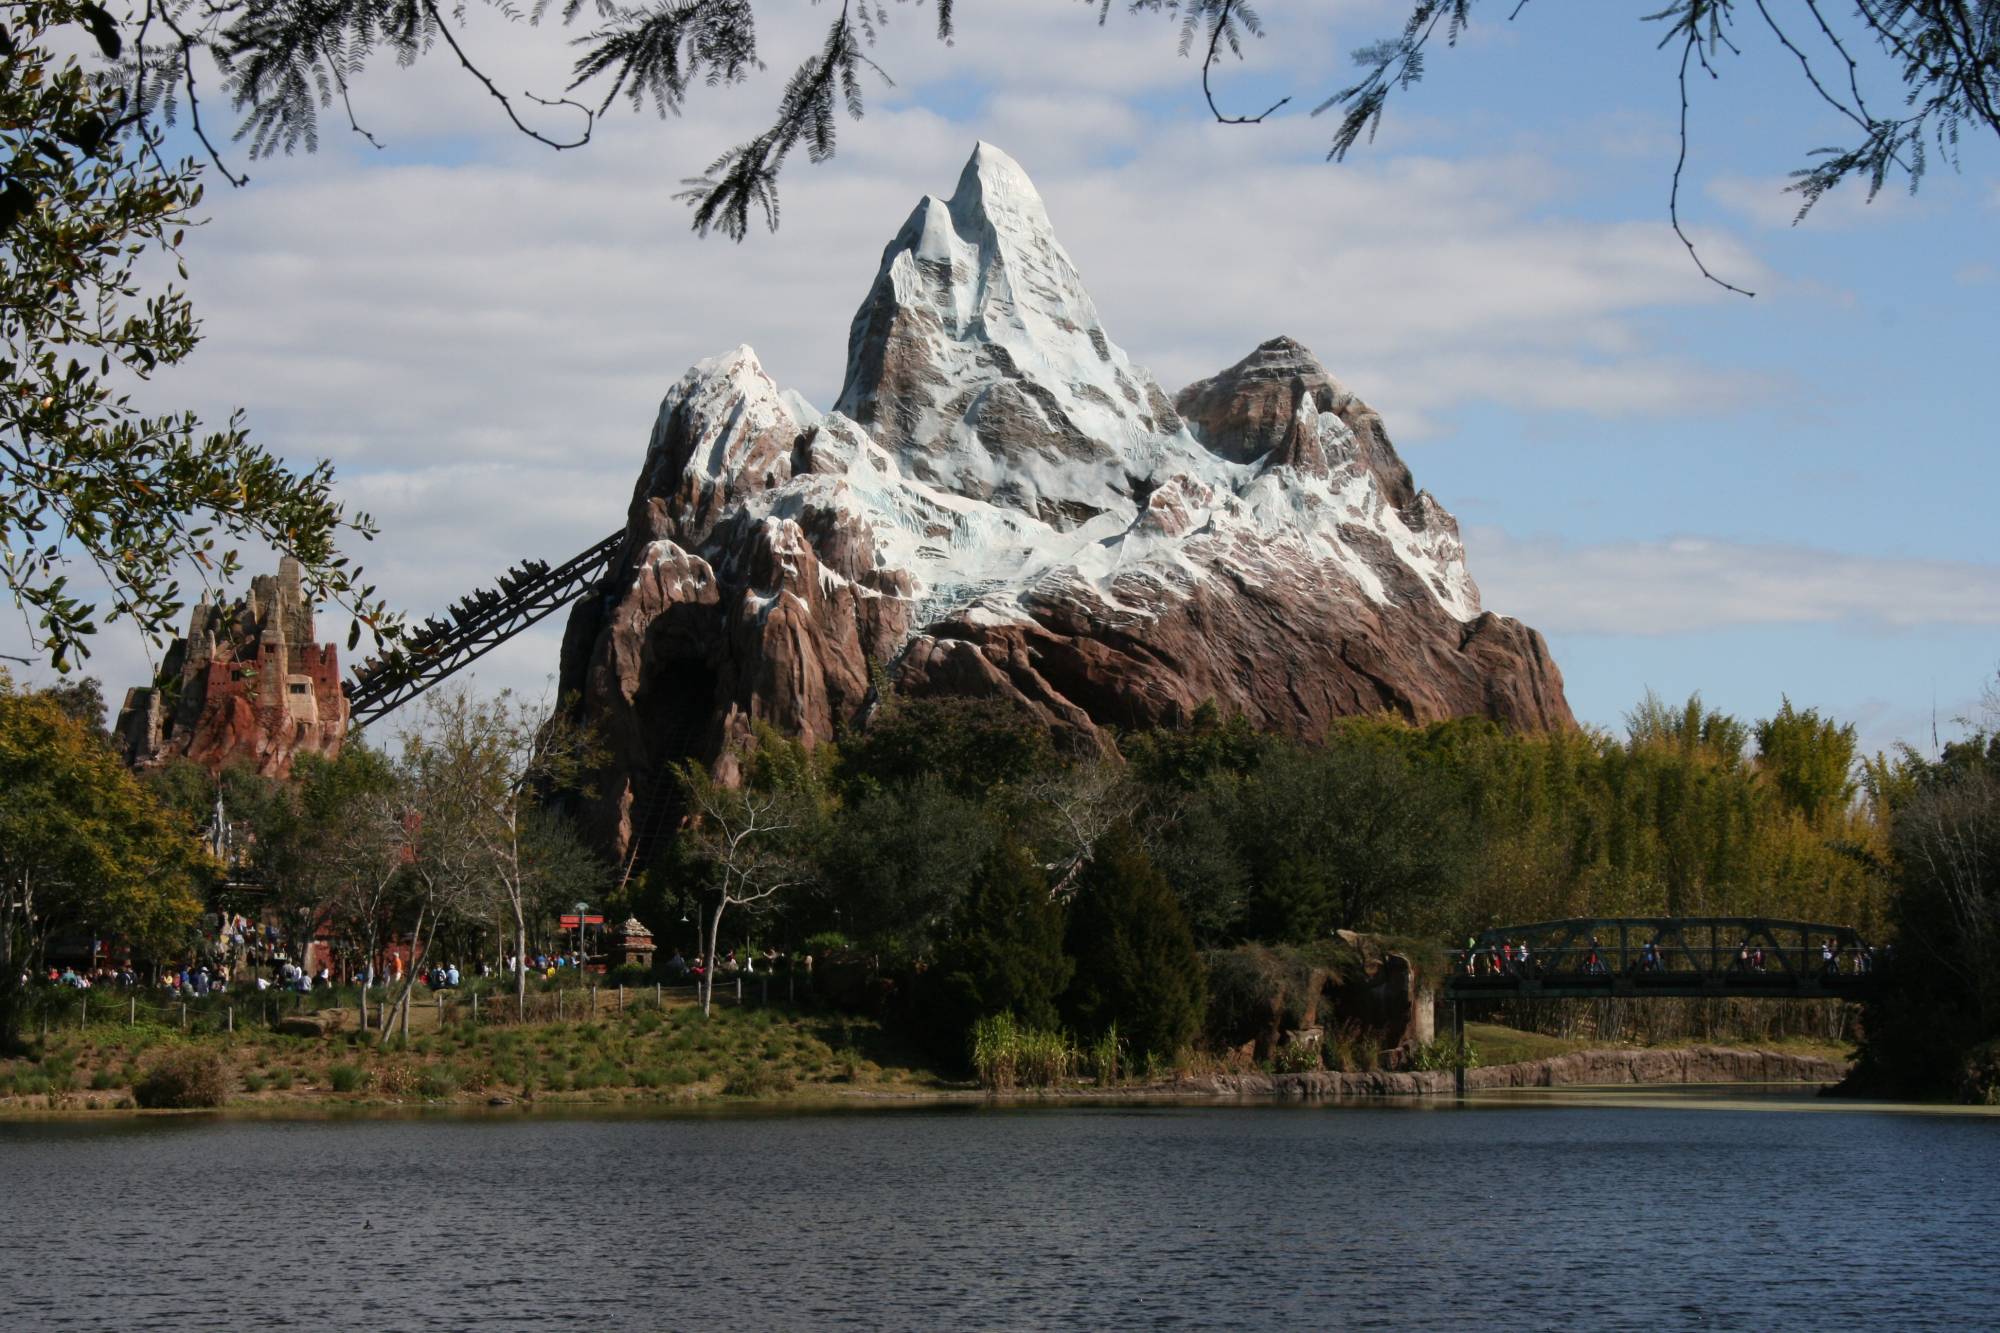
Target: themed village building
x=253, y=685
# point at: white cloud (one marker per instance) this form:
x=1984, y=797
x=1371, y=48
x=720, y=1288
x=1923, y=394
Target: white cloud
x=1688, y=584
x=480, y=341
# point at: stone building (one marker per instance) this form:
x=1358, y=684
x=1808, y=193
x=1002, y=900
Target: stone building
x=252, y=684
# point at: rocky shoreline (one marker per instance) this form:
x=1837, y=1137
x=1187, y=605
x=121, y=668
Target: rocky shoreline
x=1596, y=1068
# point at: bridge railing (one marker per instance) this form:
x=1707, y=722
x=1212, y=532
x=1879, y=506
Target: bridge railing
x=1785, y=965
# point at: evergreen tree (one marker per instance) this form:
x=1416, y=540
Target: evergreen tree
x=1136, y=965
x=1006, y=953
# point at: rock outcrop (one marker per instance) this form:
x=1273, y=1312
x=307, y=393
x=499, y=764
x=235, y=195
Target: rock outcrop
x=251, y=685
x=1001, y=503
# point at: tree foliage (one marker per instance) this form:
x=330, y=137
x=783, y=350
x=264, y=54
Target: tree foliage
x=1005, y=954
x=84, y=848
x=1936, y=1027
x=1935, y=65
x=1944, y=56
x=1136, y=966
x=89, y=478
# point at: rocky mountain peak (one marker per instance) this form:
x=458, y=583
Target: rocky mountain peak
x=1249, y=410
x=979, y=360
x=1002, y=504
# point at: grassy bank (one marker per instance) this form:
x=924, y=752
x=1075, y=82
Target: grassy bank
x=670, y=1055
x=649, y=1054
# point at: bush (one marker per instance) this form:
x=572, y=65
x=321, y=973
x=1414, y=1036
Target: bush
x=1106, y=1057
x=182, y=1080
x=438, y=1081
x=628, y=974
x=827, y=942
x=398, y=1077
x=1443, y=1053
x=346, y=1078
x=757, y=1081
x=1296, y=1057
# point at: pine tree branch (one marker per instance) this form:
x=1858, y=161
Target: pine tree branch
x=1680, y=163
x=1217, y=27
x=560, y=145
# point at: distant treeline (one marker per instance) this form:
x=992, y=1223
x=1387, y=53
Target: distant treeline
x=953, y=838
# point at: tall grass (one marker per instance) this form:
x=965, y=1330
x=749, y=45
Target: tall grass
x=1106, y=1057
x=1009, y=1054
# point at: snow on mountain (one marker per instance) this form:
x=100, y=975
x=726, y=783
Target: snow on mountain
x=1002, y=502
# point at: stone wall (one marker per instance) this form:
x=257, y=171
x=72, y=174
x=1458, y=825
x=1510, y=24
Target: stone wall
x=1608, y=1068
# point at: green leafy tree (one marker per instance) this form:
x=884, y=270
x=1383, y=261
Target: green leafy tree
x=84, y=847
x=1195, y=837
x=1136, y=965
x=898, y=862
x=88, y=478
x=1936, y=1028
x=1349, y=834
x=1809, y=759
x=968, y=746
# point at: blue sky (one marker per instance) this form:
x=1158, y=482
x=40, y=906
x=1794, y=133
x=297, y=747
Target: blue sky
x=1682, y=488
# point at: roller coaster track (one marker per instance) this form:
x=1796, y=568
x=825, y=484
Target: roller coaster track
x=476, y=624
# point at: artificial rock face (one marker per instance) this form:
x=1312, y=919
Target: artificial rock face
x=1002, y=504
x=253, y=686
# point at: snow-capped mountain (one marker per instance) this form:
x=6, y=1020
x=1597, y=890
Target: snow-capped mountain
x=1002, y=503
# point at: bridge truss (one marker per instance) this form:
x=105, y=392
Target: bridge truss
x=1587, y=958
x=1696, y=957
x=475, y=625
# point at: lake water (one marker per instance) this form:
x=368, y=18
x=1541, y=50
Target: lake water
x=1646, y=1214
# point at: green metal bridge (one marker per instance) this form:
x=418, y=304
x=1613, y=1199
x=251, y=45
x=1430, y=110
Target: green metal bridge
x=1696, y=957
x=1588, y=958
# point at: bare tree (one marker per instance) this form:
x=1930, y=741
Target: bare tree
x=486, y=766
x=1948, y=840
x=1083, y=804
x=373, y=846
x=753, y=840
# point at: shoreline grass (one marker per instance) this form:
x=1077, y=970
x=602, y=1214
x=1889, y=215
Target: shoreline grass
x=647, y=1054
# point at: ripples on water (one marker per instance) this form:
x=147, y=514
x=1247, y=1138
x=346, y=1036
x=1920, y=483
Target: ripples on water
x=1339, y=1217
